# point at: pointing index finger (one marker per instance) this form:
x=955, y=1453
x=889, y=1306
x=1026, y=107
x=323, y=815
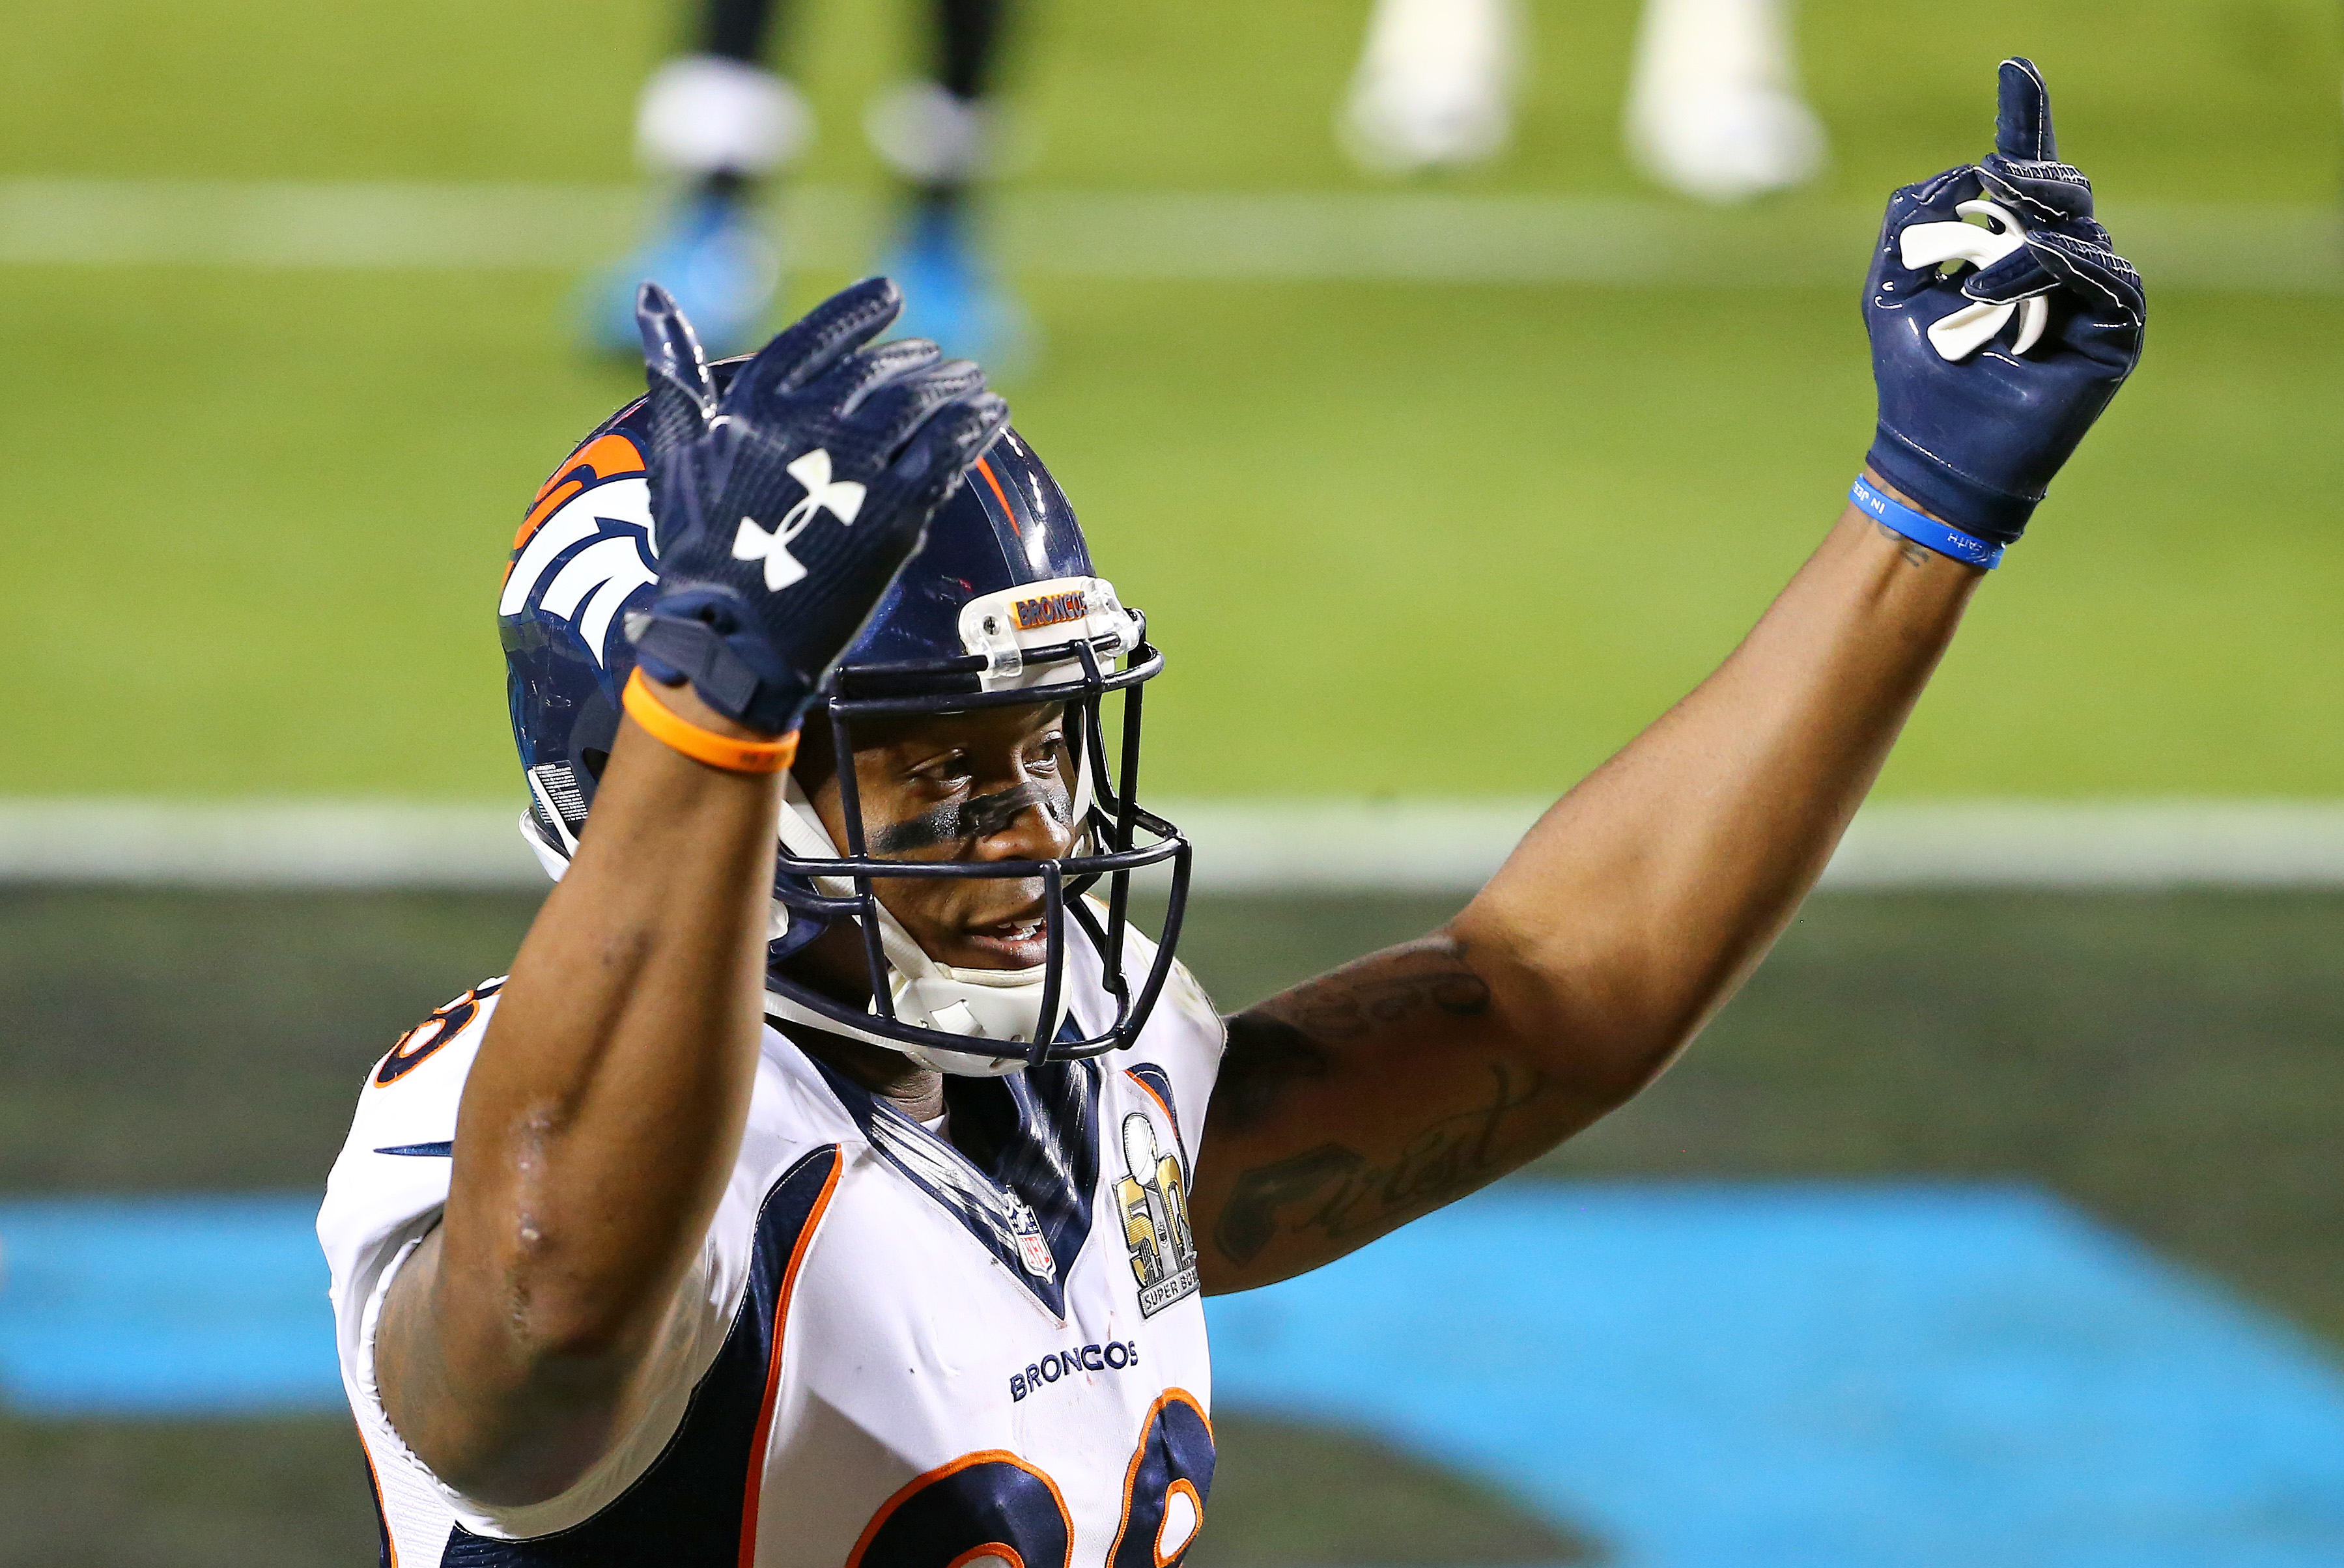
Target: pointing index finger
x=2022, y=125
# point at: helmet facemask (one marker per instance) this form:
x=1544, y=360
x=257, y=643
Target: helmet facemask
x=1066, y=641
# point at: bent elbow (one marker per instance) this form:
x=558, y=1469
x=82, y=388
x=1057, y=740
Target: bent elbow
x=1638, y=1066
x=1612, y=1010
x=1606, y=1051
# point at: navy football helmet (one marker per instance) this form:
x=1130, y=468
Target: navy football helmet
x=1000, y=606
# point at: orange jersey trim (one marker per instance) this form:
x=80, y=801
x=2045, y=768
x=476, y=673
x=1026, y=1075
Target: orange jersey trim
x=994, y=1550
x=1187, y=1487
x=390, y=1543
x=765, y=1432
x=1139, y=1457
x=1150, y=1089
x=920, y=1483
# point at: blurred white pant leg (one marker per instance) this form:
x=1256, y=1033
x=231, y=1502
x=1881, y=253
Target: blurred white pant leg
x=703, y=115
x=1435, y=84
x=1713, y=104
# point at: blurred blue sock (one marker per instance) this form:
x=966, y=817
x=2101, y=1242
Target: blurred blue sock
x=951, y=295
x=713, y=256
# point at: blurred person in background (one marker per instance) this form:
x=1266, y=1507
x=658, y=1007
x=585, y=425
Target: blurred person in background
x=720, y=124
x=1714, y=109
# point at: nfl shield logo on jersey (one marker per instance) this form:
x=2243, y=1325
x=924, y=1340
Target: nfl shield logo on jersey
x=1154, y=1203
x=1033, y=1247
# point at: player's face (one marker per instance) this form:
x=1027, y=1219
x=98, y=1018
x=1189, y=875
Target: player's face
x=994, y=785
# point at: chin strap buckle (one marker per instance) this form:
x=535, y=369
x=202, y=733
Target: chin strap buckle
x=1101, y=605
x=956, y=1019
x=996, y=639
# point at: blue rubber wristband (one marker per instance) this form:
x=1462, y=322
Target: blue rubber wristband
x=1923, y=530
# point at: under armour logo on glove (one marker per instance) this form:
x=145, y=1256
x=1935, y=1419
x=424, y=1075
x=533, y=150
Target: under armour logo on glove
x=870, y=441
x=1971, y=328
x=843, y=499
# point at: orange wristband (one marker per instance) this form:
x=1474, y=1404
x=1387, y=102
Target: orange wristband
x=678, y=733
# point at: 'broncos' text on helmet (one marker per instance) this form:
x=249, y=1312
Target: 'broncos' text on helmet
x=1000, y=605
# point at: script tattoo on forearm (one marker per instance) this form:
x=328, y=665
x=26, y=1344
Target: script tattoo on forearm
x=1340, y=1192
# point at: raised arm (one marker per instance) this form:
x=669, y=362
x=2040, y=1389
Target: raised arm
x=605, y=1108
x=1629, y=913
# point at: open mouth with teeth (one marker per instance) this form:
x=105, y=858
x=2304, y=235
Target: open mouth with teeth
x=1011, y=944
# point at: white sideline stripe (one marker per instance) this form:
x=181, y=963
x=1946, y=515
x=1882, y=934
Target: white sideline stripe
x=1129, y=235
x=1455, y=847
x=1258, y=847
x=265, y=844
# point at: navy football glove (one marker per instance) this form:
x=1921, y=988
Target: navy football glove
x=1974, y=433
x=784, y=510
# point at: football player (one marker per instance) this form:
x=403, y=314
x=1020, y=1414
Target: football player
x=1714, y=109
x=719, y=122
x=835, y=1178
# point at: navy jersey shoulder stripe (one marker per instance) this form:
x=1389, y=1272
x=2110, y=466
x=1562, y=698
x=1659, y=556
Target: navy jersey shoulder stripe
x=1158, y=1083
x=697, y=1504
x=390, y=1556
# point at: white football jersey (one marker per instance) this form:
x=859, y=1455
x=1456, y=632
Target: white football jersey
x=887, y=1355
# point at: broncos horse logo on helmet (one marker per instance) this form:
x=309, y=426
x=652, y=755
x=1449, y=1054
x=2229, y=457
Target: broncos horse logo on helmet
x=1000, y=605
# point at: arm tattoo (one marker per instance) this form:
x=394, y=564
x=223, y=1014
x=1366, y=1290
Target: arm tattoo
x=1250, y=1220
x=1338, y=1190
x=1914, y=554
x=1273, y=1045
x=1341, y=1008
x=1341, y=1192
x=1265, y=1054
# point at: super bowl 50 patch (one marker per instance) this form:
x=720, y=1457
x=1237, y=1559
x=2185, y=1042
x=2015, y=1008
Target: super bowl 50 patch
x=1154, y=1203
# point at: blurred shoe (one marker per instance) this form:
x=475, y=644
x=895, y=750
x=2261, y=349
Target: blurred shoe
x=715, y=257
x=1713, y=106
x=951, y=295
x=1435, y=84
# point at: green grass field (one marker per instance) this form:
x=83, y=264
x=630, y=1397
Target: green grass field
x=258, y=515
